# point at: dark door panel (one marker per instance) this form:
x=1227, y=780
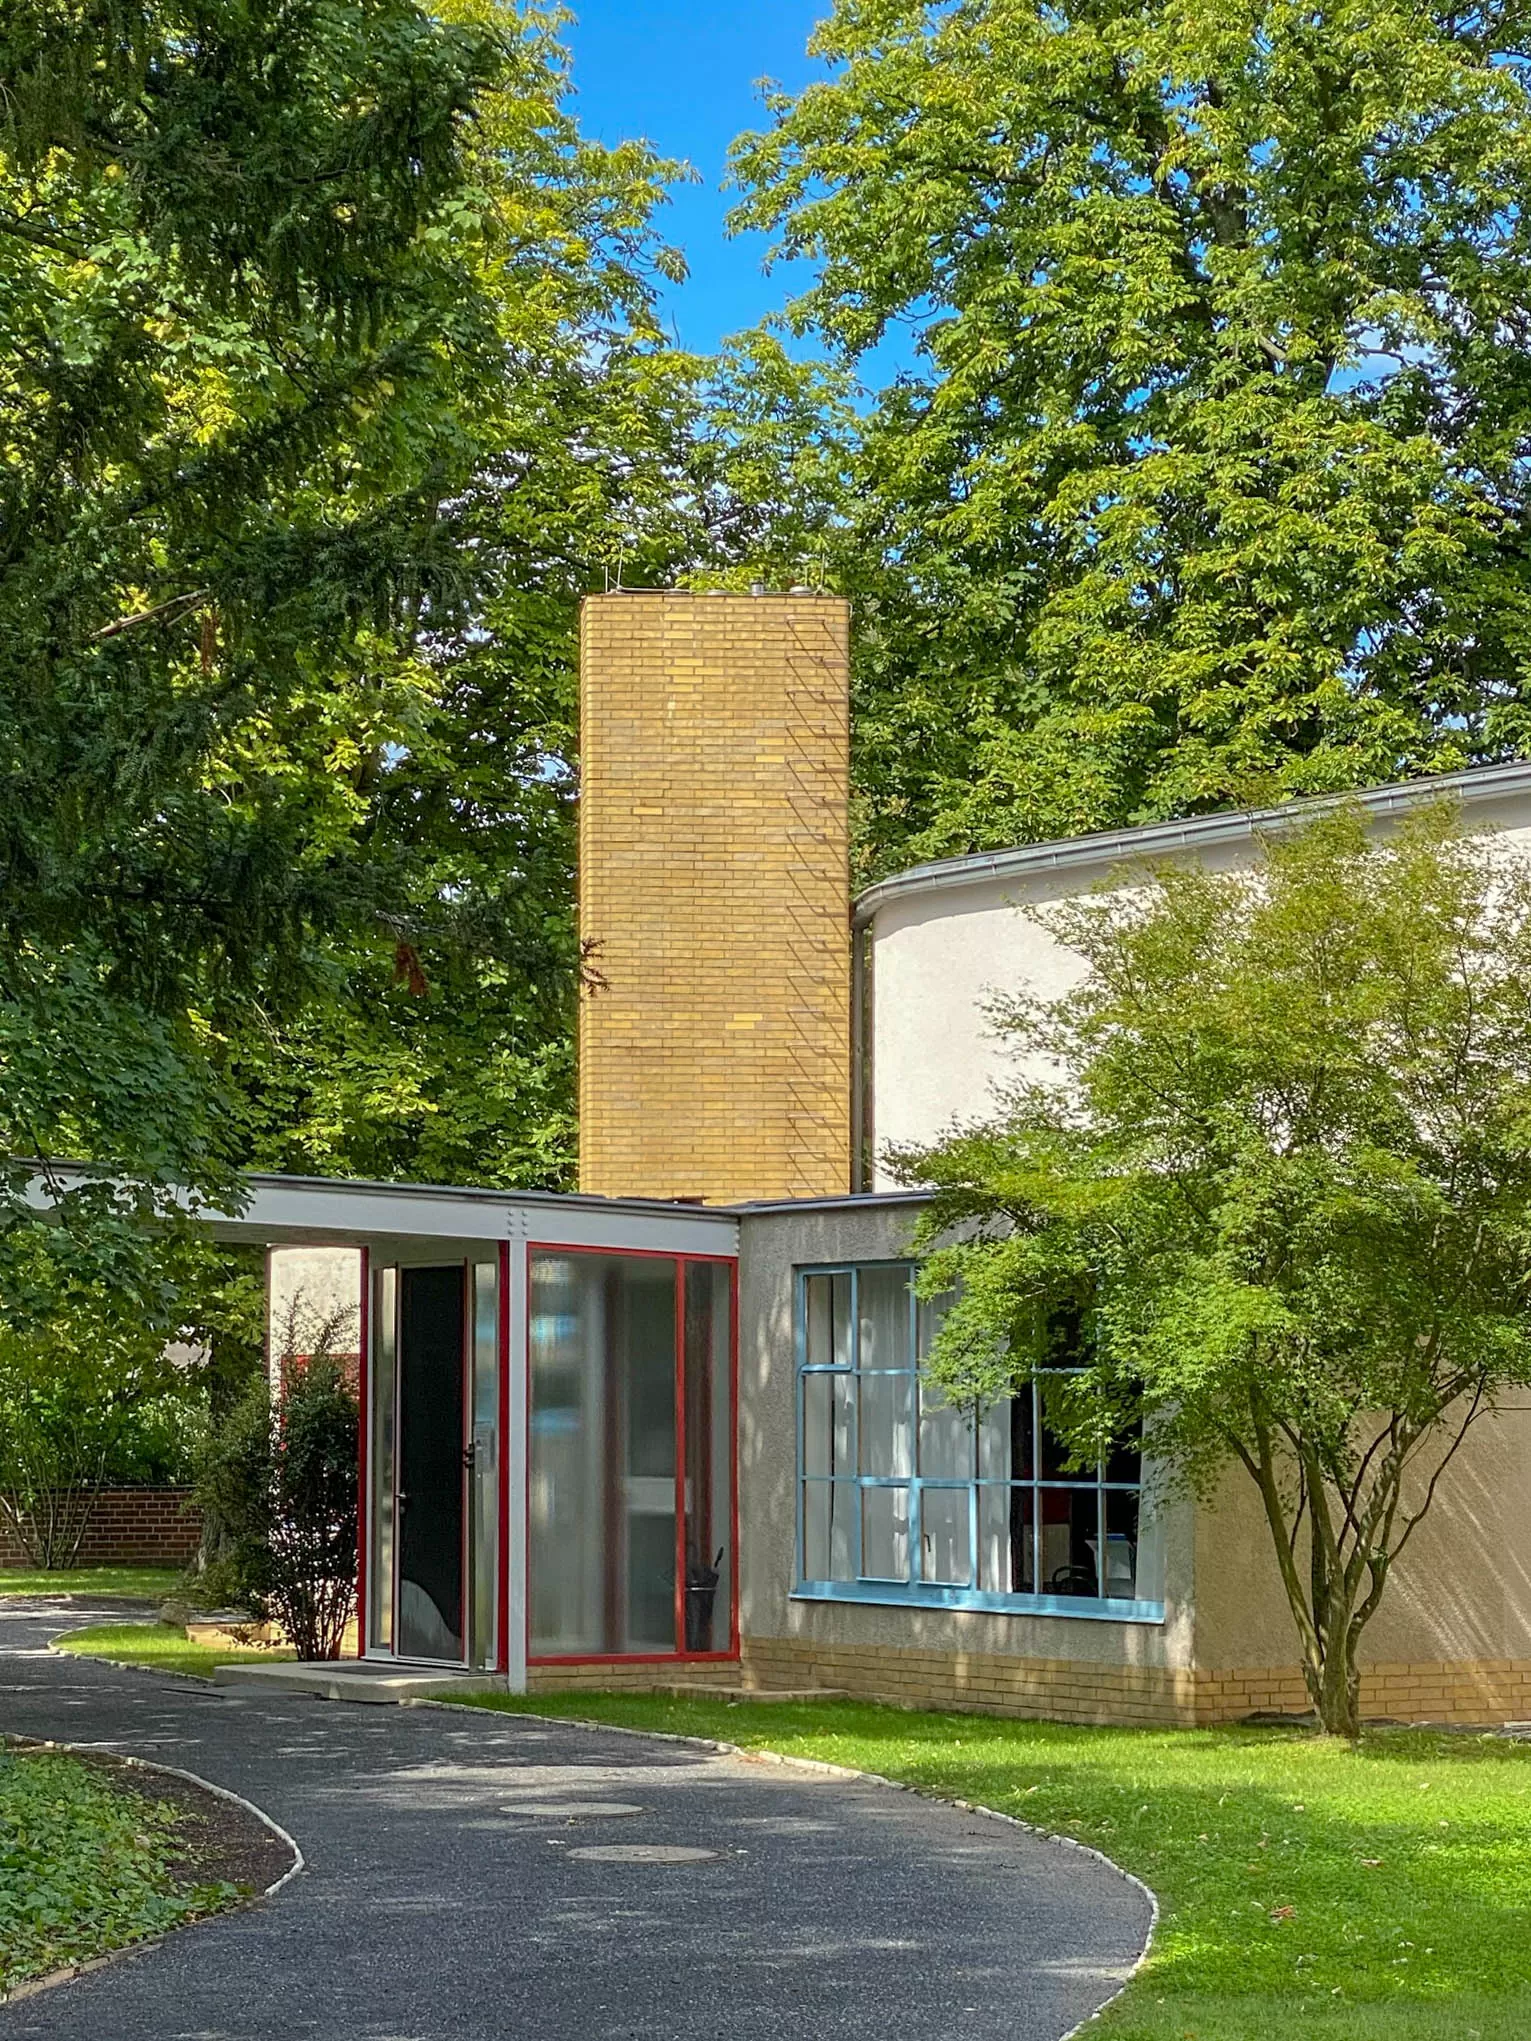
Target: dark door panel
x=430, y=1459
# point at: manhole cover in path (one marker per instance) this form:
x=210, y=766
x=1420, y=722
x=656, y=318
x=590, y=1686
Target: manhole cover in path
x=573, y=1810
x=642, y=1853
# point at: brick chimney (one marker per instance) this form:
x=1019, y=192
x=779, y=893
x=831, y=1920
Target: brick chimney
x=714, y=891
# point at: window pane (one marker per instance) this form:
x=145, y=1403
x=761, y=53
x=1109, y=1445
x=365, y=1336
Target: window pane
x=384, y=1392
x=602, y=1453
x=997, y=1433
x=1054, y=1453
x=1121, y=1544
x=885, y=1425
x=929, y=1312
x=827, y=1424
x=1124, y=1461
x=709, y=1455
x=1006, y=1546
x=486, y=1473
x=885, y=1317
x=946, y=1437
x=885, y=1533
x=828, y=1523
x=1070, y=1540
x=946, y=1553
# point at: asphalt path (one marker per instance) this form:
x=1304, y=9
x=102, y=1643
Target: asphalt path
x=446, y=1896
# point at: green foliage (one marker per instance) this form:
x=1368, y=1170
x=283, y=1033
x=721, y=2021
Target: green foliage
x=1276, y=1158
x=130, y=1583
x=162, y=1647
x=87, y=1397
x=311, y=1585
x=232, y=382
x=278, y=1489
x=1306, y=1888
x=83, y=1867
x=1204, y=485
x=232, y=1486
x=313, y=446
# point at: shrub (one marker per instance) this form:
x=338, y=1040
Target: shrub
x=279, y=1491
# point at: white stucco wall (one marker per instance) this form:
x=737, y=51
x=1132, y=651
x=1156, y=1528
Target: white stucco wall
x=304, y=1287
x=958, y=935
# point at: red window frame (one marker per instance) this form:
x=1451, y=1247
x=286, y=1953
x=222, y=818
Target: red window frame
x=680, y=1656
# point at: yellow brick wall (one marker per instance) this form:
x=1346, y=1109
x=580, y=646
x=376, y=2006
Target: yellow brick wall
x=714, y=893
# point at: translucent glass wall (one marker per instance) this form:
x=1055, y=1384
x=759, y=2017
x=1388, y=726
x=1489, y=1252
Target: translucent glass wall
x=630, y=1495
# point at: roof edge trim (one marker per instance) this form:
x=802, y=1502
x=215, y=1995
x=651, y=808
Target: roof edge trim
x=1110, y=846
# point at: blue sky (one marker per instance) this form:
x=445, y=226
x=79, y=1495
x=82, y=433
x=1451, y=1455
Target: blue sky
x=684, y=75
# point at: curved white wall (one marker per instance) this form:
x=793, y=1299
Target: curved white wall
x=942, y=947
x=938, y=960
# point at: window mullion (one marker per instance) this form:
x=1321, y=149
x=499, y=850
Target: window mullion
x=853, y=1353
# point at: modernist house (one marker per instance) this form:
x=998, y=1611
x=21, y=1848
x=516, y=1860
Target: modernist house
x=673, y=1428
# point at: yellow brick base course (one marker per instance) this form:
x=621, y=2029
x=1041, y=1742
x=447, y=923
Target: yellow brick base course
x=1487, y=1691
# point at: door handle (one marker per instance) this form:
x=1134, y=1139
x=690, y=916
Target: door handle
x=469, y=1454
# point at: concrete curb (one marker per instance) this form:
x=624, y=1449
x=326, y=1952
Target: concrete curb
x=820, y=1766
x=70, y=1971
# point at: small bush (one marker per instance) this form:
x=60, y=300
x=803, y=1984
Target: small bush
x=279, y=1491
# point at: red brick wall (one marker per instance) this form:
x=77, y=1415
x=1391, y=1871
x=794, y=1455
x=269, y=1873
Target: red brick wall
x=129, y=1526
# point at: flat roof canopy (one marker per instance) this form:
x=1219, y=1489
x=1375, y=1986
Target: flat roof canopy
x=302, y=1211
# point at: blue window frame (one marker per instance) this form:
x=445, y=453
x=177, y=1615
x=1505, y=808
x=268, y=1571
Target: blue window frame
x=903, y=1498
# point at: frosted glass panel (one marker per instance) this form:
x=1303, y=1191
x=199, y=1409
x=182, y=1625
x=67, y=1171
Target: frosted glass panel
x=829, y=1551
x=485, y=1530
x=884, y=1312
x=885, y=1425
x=384, y=1394
x=601, y=1472
x=946, y=1546
x=885, y=1533
x=946, y=1438
x=828, y=1424
x=709, y=1456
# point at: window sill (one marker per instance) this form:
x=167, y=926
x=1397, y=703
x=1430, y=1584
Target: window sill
x=888, y=1594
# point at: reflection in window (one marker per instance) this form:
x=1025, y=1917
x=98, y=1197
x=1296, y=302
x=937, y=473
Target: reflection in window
x=901, y=1490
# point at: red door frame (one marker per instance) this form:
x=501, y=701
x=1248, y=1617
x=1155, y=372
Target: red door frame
x=364, y=1446
x=680, y=1655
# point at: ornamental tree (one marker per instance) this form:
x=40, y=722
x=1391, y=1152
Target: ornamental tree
x=1272, y=1159
x=1201, y=476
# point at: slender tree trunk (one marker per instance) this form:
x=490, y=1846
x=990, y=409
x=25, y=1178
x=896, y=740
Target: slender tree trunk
x=1338, y=1699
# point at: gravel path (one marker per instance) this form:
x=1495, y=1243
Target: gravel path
x=450, y=1895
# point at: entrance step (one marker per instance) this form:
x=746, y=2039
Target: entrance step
x=353, y=1680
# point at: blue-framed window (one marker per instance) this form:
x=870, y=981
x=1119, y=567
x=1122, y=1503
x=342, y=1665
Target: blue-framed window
x=904, y=1498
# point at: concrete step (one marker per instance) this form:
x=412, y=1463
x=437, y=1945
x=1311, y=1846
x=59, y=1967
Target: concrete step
x=353, y=1680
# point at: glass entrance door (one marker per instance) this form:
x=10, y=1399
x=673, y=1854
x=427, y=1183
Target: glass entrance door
x=430, y=1499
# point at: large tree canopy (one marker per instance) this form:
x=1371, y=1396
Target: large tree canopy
x=1206, y=481
x=329, y=379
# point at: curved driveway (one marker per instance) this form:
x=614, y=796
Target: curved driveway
x=437, y=1906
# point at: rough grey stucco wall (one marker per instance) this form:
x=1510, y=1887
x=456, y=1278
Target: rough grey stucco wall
x=772, y=1246
x=1461, y=1590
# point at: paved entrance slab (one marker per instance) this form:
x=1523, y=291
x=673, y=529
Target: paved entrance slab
x=441, y=1902
x=350, y=1680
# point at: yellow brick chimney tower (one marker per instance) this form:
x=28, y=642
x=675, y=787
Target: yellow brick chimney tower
x=715, y=896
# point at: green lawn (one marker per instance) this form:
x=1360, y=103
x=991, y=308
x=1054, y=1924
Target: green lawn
x=83, y=1868
x=162, y=1646
x=141, y=1583
x=1379, y=1894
